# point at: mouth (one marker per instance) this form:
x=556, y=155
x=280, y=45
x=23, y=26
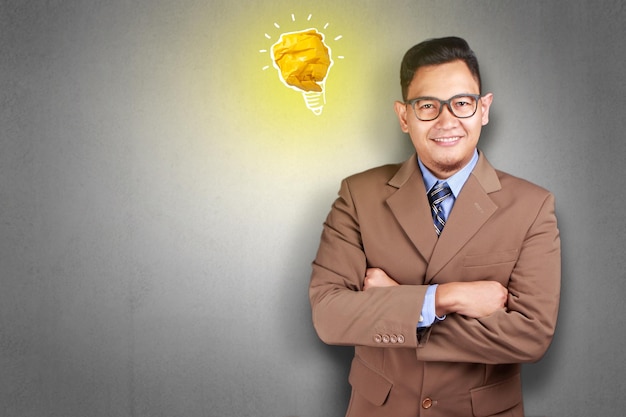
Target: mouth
x=447, y=140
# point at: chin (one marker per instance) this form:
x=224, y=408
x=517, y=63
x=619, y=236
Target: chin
x=449, y=167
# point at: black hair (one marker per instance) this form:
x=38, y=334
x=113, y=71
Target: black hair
x=436, y=52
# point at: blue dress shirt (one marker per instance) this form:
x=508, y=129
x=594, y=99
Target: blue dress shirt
x=456, y=183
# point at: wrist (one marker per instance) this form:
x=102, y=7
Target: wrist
x=446, y=301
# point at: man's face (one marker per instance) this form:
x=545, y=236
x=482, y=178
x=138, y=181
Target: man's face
x=446, y=144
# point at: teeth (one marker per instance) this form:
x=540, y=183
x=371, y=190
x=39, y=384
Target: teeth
x=447, y=139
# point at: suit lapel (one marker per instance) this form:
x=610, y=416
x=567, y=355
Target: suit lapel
x=471, y=211
x=409, y=205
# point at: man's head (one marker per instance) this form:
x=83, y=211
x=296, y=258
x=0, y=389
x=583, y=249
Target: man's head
x=436, y=52
x=443, y=127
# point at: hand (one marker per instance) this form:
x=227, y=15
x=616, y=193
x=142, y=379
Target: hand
x=473, y=299
x=376, y=277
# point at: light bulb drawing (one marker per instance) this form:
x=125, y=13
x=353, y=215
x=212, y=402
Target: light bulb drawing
x=303, y=60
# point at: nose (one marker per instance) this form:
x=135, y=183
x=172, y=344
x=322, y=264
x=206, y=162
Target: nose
x=446, y=118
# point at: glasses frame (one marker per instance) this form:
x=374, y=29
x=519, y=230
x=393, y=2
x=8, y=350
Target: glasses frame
x=412, y=102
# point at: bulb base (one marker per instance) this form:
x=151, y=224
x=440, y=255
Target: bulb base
x=315, y=100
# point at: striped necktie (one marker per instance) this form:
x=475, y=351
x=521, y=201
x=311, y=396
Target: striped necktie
x=436, y=195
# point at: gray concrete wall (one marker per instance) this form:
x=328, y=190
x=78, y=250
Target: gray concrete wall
x=161, y=195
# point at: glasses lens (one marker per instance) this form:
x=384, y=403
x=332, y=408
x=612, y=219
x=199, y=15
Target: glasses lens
x=427, y=109
x=463, y=106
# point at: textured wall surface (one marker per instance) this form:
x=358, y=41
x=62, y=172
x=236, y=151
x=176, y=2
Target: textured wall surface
x=162, y=195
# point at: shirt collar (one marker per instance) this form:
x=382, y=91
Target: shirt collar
x=456, y=181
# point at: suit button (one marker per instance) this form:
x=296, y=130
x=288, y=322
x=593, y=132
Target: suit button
x=400, y=338
x=427, y=403
x=378, y=338
x=386, y=338
x=393, y=338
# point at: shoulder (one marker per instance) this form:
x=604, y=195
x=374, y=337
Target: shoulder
x=514, y=184
x=498, y=182
x=522, y=196
x=372, y=186
x=377, y=175
x=390, y=175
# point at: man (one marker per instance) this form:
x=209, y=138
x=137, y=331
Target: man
x=442, y=300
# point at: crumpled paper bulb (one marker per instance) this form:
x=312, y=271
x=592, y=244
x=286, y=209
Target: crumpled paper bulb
x=302, y=58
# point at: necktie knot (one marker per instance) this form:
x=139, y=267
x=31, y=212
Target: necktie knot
x=440, y=191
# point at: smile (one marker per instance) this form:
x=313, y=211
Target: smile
x=445, y=140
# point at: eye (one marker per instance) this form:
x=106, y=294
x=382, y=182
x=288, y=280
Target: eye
x=461, y=102
x=427, y=104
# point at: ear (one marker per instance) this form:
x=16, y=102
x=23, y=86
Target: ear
x=401, y=111
x=485, y=104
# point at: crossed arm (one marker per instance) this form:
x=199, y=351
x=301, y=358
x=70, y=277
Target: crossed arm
x=472, y=299
x=493, y=324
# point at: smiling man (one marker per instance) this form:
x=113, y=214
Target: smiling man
x=443, y=272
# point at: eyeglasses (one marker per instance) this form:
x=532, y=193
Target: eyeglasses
x=429, y=108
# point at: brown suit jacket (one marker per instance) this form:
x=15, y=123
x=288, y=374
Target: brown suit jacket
x=501, y=228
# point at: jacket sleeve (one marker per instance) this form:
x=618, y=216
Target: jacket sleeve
x=522, y=332
x=343, y=314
